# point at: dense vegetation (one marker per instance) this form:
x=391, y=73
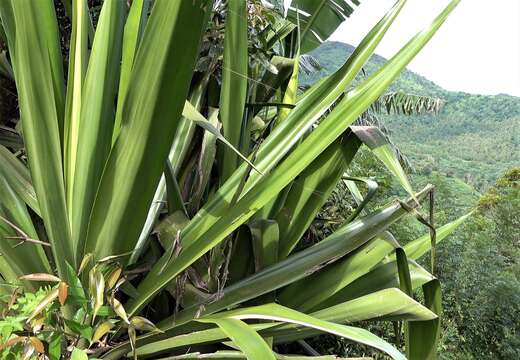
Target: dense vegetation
x=469, y=152
x=294, y=238
x=481, y=273
x=161, y=186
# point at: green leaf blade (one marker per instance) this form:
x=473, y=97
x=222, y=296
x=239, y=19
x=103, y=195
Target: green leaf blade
x=138, y=156
x=243, y=336
x=41, y=108
x=97, y=118
x=234, y=80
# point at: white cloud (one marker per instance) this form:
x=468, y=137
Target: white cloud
x=477, y=50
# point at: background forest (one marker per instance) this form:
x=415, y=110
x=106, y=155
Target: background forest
x=470, y=151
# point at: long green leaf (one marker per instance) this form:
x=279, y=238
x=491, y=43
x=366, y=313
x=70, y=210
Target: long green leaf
x=417, y=248
x=244, y=337
x=265, y=237
x=275, y=312
x=291, y=91
x=195, y=335
x=405, y=284
x=133, y=33
x=387, y=304
x=97, y=117
x=403, y=272
x=173, y=191
x=311, y=190
x=382, y=277
x=234, y=81
x=158, y=87
x=78, y=59
x=233, y=354
x=374, y=138
x=40, y=100
x=67, y=4
x=309, y=293
x=423, y=336
x=50, y=39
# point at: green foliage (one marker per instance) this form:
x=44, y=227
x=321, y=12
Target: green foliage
x=482, y=301
x=133, y=131
x=67, y=313
x=14, y=322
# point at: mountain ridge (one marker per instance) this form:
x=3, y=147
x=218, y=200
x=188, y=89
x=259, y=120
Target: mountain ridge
x=327, y=46
x=474, y=137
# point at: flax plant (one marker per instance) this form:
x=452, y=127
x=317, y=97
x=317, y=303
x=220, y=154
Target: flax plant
x=174, y=166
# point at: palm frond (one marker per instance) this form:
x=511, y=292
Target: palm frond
x=400, y=103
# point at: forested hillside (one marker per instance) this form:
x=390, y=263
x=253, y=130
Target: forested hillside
x=474, y=138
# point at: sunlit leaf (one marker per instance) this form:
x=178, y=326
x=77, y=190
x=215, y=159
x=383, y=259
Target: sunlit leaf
x=113, y=277
x=143, y=324
x=245, y=338
x=97, y=289
x=84, y=262
x=102, y=330
x=119, y=309
x=40, y=277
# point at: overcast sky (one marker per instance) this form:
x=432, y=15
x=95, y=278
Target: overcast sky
x=477, y=50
